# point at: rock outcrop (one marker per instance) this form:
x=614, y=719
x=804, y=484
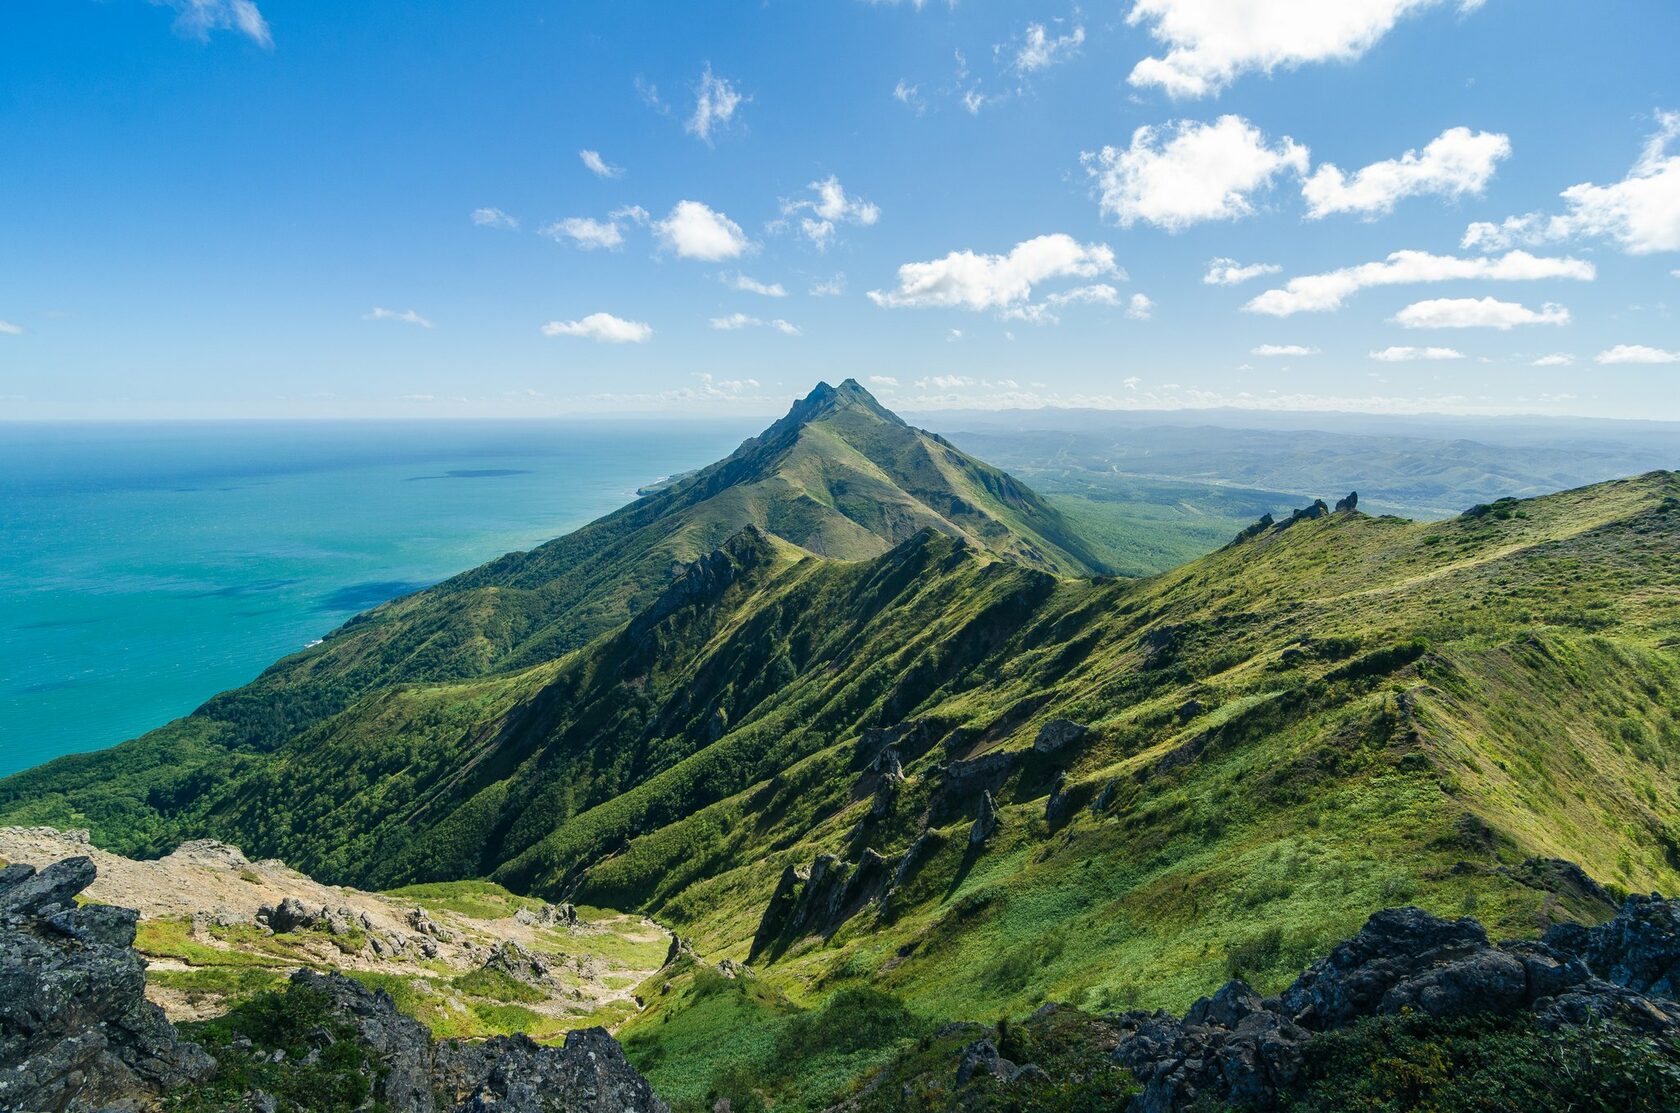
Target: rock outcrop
x=1235, y=1048
x=76, y=1030
x=1056, y=734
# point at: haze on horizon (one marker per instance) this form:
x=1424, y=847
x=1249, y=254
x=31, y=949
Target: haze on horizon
x=237, y=208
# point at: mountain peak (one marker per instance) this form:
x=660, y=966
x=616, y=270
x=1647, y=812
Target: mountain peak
x=824, y=400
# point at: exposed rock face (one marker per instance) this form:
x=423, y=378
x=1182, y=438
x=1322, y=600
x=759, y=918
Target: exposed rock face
x=1238, y=1049
x=1056, y=734
x=506, y=1074
x=819, y=899
x=516, y=1075
x=1349, y=504
x=76, y=1030
x=518, y=963
x=985, y=822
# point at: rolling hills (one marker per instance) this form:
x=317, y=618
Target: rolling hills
x=936, y=757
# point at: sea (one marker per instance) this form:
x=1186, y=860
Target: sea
x=144, y=567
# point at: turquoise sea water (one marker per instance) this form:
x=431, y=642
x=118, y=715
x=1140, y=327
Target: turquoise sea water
x=145, y=567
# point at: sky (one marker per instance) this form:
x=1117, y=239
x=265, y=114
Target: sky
x=290, y=208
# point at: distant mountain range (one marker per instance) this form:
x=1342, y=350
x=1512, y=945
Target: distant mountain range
x=853, y=706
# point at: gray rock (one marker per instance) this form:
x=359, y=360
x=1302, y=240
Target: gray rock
x=1056, y=734
x=1349, y=504
x=981, y=1059
x=985, y=822
x=402, y=1045
x=76, y=1031
x=291, y=915
x=516, y=1075
x=1639, y=948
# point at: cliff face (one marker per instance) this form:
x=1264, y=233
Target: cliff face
x=76, y=1030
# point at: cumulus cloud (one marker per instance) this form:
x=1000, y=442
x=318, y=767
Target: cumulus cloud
x=1641, y=212
x=599, y=166
x=967, y=280
x=1139, y=307
x=1229, y=272
x=748, y=285
x=1040, y=49
x=603, y=328
x=1456, y=162
x=1406, y=355
x=1636, y=353
x=1283, y=350
x=1184, y=172
x=715, y=102
x=829, y=287
x=585, y=232
x=1556, y=359
x=406, y=316
x=882, y=380
x=9, y=329
x=830, y=206
x=741, y=320
x=197, y=18
x=694, y=231
x=493, y=218
x=1317, y=293
x=1212, y=42
x=1478, y=313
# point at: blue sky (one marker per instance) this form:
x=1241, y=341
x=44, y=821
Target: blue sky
x=273, y=208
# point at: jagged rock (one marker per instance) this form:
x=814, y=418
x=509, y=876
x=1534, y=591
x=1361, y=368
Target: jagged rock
x=1057, y=804
x=525, y=916
x=984, y=772
x=513, y=1074
x=562, y=915
x=1057, y=733
x=985, y=822
x=981, y=1058
x=25, y=893
x=1349, y=504
x=679, y=947
x=729, y=968
x=1189, y=709
x=1319, y=509
x=402, y=1045
x=1236, y=1049
x=290, y=915
x=1261, y=525
x=76, y=1031
x=1104, y=799
x=1639, y=948
x=516, y=962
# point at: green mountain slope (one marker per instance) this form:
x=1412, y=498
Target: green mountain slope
x=839, y=476
x=980, y=785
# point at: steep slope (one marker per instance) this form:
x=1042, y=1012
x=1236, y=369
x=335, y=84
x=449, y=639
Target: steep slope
x=839, y=476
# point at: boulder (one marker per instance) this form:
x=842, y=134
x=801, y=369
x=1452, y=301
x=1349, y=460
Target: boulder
x=1349, y=504
x=25, y=893
x=513, y=1074
x=402, y=1046
x=290, y=915
x=1056, y=734
x=1639, y=948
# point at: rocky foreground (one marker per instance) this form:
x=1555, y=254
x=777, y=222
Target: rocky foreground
x=77, y=1033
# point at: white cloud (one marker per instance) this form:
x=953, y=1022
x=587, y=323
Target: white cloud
x=1131, y=382
x=603, y=328
x=831, y=206
x=1478, y=313
x=599, y=166
x=694, y=231
x=1404, y=355
x=953, y=336
x=974, y=100
x=1040, y=50
x=9, y=329
x=1457, y=162
x=829, y=287
x=197, y=18
x=910, y=96
x=1184, y=172
x=882, y=380
x=406, y=316
x=1317, y=293
x=741, y=320
x=493, y=218
x=1641, y=212
x=715, y=102
x=1229, y=272
x=1212, y=42
x=748, y=285
x=1283, y=350
x=965, y=280
x=1556, y=359
x=585, y=232
x=1636, y=353
x=1139, y=308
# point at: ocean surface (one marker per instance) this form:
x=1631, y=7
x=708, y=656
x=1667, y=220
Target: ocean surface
x=145, y=567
